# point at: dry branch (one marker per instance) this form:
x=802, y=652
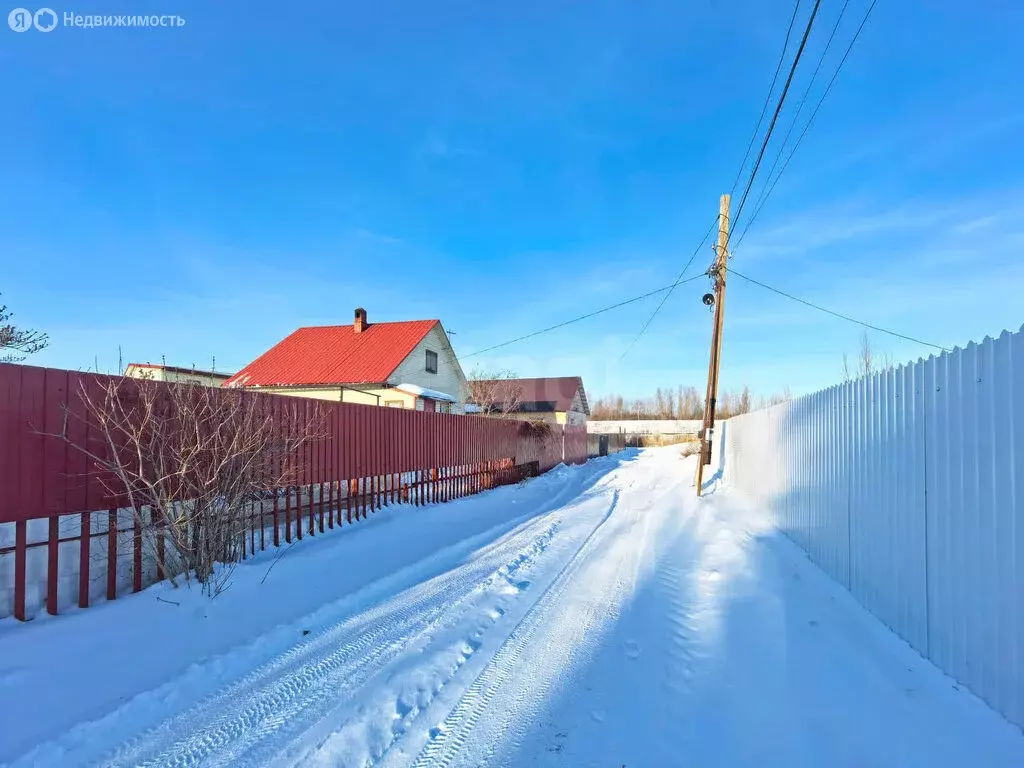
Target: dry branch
x=496, y=393
x=202, y=460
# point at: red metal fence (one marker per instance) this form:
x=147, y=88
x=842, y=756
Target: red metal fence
x=53, y=497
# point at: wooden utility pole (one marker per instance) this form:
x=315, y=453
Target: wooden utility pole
x=718, y=273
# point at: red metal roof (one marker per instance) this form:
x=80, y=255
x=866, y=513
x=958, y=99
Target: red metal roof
x=550, y=394
x=334, y=354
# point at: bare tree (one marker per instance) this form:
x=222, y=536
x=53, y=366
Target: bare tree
x=743, y=406
x=20, y=341
x=865, y=359
x=662, y=404
x=686, y=402
x=200, y=460
x=495, y=393
x=691, y=403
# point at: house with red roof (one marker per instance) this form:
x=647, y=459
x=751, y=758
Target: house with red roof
x=407, y=364
x=558, y=400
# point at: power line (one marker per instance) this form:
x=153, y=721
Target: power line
x=833, y=312
x=665, y=298
x=807, y=127
x=778, y=109
x=656, y=291
x=803, y=100
x=739, y=171
x=767, y=98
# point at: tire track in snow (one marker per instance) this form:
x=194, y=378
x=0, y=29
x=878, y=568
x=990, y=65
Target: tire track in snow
x=447, y=740
x=263, y=702
x=269, y=702
x=330, y=748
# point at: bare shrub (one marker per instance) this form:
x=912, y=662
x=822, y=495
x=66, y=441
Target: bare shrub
x=495, y=393
x=535, y=429
x=690, y=448
x=201, y=460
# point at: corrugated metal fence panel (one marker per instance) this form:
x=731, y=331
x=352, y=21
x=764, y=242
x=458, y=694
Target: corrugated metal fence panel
x=908, y=488
x=53, y=544
x=42, y=474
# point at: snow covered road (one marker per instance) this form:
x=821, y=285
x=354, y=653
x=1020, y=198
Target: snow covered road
x=598, y=615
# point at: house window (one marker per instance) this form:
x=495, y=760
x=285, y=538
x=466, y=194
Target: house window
x=394, y=404
x=431, y=362
x=443, y=407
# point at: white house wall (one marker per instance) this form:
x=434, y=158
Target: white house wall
x=577, y=416
x=173, y=377
x=449, y=377
x=908, y=488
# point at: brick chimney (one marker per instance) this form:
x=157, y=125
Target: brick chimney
x=360, y=322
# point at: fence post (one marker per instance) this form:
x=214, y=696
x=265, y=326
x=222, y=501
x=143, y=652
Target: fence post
x=84, y=546
x=137, y=553
x=276, y=514
x=320, y=500
x=52, y=550
x=112, y=554
x=312, y=509
x=20, y=556
x=288, y=515
x=348, y=500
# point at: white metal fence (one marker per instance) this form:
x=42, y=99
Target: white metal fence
x=908, y=488
x=645, y=427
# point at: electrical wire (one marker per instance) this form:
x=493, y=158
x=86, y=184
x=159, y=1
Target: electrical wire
x=803, y=100
x=853, y=320
x=665, y=298
x=778, y=109
x=655, y=292
x=807, y=127
x=767, y=98
x=739, y=173
x=680, y=281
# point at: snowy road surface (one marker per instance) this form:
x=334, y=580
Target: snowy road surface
x=596, y=616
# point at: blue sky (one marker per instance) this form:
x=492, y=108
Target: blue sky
x=199, y=192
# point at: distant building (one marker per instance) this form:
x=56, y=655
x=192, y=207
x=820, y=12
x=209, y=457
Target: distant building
x=559, y=400
x=407, y=364
x=175, y=374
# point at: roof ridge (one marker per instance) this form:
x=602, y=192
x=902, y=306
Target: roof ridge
x=370, y=325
